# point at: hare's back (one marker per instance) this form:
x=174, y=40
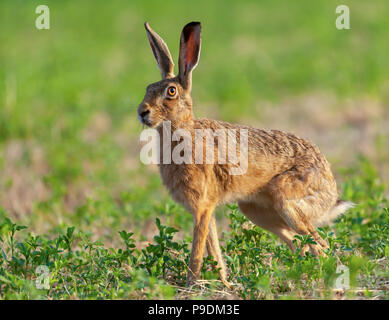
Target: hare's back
x=272, y=144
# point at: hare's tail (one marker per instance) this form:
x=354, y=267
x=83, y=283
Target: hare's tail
x=339, y=208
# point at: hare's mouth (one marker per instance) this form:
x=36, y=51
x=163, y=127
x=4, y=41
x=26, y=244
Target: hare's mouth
x=147, y=122
x=144, y=118
x=143, y=121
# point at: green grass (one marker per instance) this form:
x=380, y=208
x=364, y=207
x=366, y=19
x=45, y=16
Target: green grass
x=69, y=154
x=80, y=268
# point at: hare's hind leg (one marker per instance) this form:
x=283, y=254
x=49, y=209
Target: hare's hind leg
x=213, y=248
x=293, y=215
x=298, y=222
x=267, y=218
x=295, y=205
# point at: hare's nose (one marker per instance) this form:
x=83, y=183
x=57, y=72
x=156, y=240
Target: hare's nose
x=144, y=113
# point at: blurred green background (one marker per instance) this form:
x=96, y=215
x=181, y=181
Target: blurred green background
x=69, y=151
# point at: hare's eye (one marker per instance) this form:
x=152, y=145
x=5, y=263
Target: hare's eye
x=171, y=91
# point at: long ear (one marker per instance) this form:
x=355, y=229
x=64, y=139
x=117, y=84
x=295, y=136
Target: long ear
x=161, y=53
x=190, y=44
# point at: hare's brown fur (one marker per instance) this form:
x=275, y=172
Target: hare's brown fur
x=288, y=188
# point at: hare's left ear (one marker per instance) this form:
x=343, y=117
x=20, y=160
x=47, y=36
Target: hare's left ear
x=161, y=53
x=190, y=44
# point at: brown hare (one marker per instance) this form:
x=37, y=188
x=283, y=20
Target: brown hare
x=288, y=187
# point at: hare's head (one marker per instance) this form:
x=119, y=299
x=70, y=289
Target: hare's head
x=170, y=98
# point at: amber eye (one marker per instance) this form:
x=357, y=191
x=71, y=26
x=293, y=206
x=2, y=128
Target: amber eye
x=171, y=91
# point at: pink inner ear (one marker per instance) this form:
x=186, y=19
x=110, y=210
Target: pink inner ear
x=190, y=52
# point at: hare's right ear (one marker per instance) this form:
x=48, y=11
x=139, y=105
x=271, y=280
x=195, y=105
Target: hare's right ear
x=190, y=44
x=161, y=53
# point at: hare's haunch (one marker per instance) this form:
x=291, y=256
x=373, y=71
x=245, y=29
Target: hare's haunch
x=287, y=186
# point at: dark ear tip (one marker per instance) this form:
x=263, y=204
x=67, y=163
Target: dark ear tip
x=193, y=24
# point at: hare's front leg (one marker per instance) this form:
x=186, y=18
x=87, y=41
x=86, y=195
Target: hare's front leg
x=213, y=248
x=202, y=217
